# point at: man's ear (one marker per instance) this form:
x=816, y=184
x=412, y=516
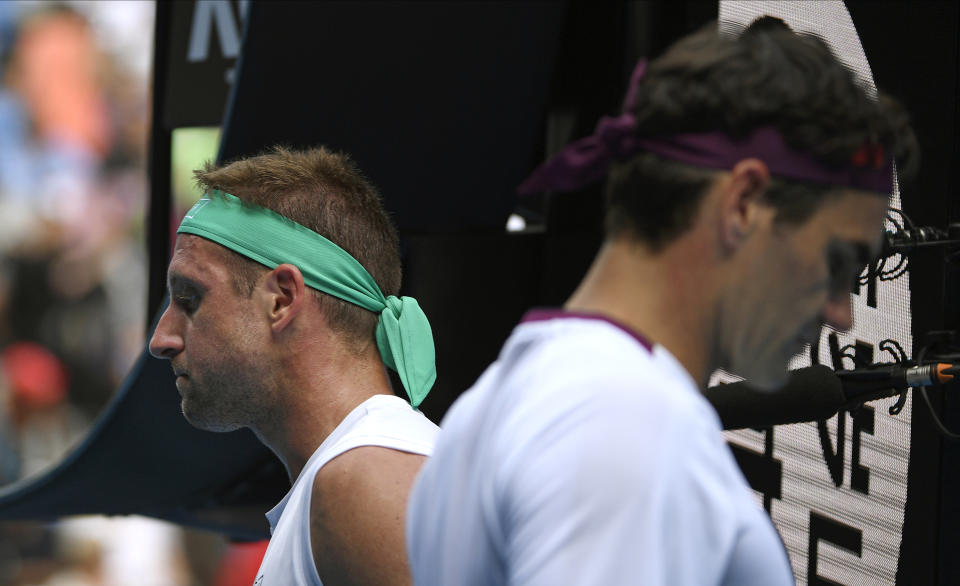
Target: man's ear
x=741, y=201
x=285, y=294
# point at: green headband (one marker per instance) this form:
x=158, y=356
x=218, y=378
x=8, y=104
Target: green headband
x=404, y=337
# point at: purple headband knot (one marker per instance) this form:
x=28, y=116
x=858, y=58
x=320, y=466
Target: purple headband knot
x=587, y=160
x=617, y=134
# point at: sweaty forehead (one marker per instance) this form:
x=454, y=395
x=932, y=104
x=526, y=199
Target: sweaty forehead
x=194, y=256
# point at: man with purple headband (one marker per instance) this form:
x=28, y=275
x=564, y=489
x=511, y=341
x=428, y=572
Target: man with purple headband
x=747, y=182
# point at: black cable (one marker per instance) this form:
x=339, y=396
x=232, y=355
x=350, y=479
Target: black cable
x=900, y=222
x=881, y=262
x=898, y=353
x=936, y=420
x=894, y=273
x=849, y=351
x=892, y=347
x=933, y=413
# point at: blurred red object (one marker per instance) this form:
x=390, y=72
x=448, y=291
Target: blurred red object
x=239, y=565
x=36, y=377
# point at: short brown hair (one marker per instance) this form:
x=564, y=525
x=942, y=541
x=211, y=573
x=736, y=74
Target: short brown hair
x=326, y=192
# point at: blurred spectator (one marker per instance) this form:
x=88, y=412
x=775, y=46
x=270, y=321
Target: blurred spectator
x=73, y=139
x=78, y=123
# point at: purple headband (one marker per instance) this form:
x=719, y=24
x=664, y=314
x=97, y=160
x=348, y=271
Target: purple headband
x=588, y=159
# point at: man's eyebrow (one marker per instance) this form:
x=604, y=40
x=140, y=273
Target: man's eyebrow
x=180, y=282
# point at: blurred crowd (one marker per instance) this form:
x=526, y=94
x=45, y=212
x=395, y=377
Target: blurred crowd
x=74, y=121
x=72, y=189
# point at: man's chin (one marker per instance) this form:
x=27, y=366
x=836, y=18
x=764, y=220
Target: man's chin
x=204, y=421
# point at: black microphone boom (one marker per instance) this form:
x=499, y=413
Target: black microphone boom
x=877, y=382
x=913, y=238
x=817, y=392
x=810, y=394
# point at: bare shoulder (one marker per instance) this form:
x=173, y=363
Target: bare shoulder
x=357, y=516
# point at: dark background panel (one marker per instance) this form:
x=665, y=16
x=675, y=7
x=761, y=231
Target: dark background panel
x=913, y=51
x=440, y=103
x=200, y=50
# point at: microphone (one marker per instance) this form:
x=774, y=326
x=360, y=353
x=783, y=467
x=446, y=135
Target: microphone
x=907, y=240
x=876, y=382
x=810, y=394
x=817, y=392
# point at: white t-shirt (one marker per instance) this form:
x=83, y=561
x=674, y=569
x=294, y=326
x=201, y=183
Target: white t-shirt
x=585, y=456
x=382, y=420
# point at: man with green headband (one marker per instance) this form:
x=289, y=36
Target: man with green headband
x=283, y=315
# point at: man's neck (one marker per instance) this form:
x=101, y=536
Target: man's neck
x=666, y=296
x=319, y=387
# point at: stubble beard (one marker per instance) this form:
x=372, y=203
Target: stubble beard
x=225, y=398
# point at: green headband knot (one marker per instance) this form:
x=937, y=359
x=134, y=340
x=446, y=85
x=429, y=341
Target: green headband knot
x=404, y=337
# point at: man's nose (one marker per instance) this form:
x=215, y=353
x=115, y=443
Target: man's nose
x=166, y=341
x=838, y=313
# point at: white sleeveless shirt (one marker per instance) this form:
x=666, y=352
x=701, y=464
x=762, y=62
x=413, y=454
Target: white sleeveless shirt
x=382, y=420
